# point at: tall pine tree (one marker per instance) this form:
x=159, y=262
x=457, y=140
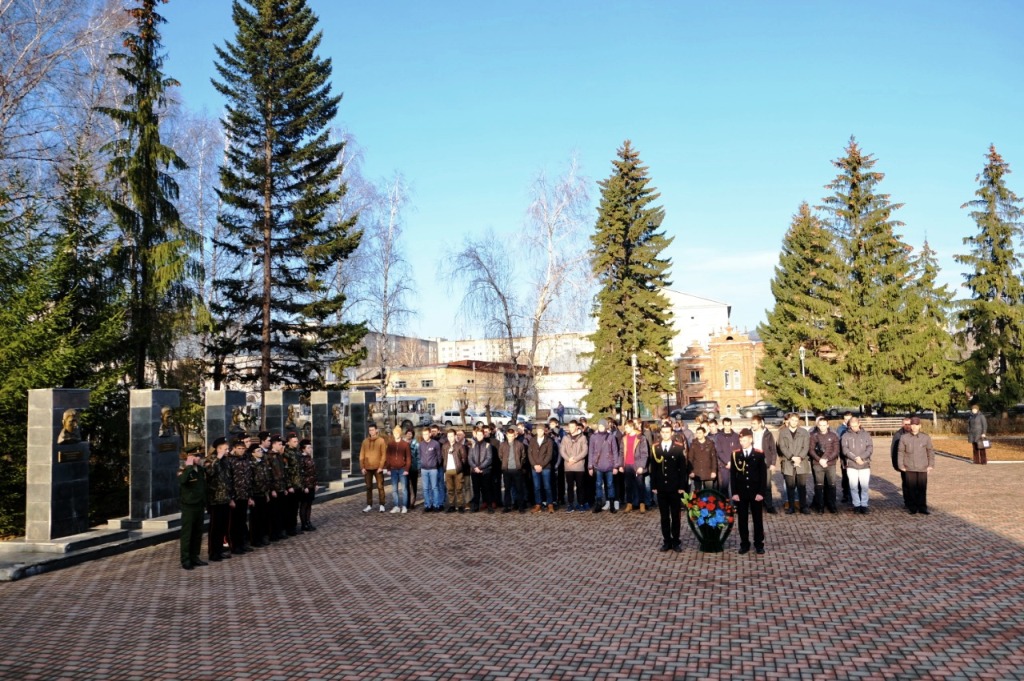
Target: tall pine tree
x=993, y=315
x=808, y=284
x=633, y=315
x=156, y=246
x=278, y=183
x=872, y=322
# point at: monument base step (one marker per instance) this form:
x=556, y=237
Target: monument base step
x=75, y=542
x=164, y=522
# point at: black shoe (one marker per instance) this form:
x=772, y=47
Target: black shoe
x=864, y=510
x=451, y=509
x=925, y=511
x=186, y=565
x=310, y=528
x=665, y=547
x=199, y=563
x=216, y=559
x=760, y=551
x=805, y=511
x=462, y=509
x=490, y=510
x=225, y=556
x=678, y=547
x=833, y=510
x=790, y=511
x=744, y=549
x=912, y=511
x=770, y=510
x=597, y=509
x=522, y=510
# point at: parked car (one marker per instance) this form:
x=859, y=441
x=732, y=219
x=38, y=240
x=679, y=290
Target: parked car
x=693, y=409
x=762, y=408
x=499, y=417
x=571, y=414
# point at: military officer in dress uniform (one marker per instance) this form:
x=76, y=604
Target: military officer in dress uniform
x=748, y=476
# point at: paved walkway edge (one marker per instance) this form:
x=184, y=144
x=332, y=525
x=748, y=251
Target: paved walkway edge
x=17, y=566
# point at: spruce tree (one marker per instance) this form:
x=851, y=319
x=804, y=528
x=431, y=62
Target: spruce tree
x=633, y=315
x=155, y=245
x=280, y=179
x=808, y=285
x=872, y=321
x=932, y=374
x=993, y=316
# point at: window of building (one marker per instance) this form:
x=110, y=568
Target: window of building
x=399, y=385
x=427, y=383
x=736, y=379
x=727, y=374
x=694, y=375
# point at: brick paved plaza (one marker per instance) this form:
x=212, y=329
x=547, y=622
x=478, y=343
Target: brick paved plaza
x=578, y=596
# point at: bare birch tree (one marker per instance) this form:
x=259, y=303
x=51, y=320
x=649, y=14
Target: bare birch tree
x=518, y=303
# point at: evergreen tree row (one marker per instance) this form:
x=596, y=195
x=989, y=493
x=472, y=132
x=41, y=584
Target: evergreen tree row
x=875, y=326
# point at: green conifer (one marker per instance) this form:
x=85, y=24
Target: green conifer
x=993, y=316
x=633, y=315
x=279, y=181
x=156, y=246
x=807, y=286
x=873, y=321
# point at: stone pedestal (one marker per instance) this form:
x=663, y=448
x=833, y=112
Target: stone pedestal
x=154, y=454
x=328, y=425
x=57, y=489
x=283, y=413
x=359, y=420
x=220, y=410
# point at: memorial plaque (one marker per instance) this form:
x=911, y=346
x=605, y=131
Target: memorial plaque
x=57, y=479
x=154, y=454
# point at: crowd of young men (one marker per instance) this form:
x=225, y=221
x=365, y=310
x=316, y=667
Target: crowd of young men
x=257, y=490
x=633, y=468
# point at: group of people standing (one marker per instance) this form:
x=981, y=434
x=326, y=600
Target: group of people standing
x=639, y=466
x=257, y=490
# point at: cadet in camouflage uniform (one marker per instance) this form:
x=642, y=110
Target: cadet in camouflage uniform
x=218, y=495
x=307, y=474
x=279, y=494
x=241, y=497
x=259, y=517
x=192, y=481
x=291, y=508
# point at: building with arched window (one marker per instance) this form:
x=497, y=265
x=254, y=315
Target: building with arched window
x=724, y=371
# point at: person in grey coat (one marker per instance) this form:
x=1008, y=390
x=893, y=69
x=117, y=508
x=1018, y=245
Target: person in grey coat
x=917, y=459
x=857, y=448
x=792, y=445
x=977, y=430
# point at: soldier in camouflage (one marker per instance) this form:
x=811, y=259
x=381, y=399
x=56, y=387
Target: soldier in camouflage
x=307, y=475
x=218, y=496
x=259, y=525
x=291, y=509
x=241, y=498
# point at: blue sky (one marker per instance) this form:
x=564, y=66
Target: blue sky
x=738, y=109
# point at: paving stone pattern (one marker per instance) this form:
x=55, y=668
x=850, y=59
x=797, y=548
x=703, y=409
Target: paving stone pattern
x=580, y=596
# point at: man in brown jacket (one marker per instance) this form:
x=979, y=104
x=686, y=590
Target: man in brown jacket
x=917, y=460
x=372, y=455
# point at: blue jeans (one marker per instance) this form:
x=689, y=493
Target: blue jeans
x=398, y=487
x=541, y=481
x=605, y=480
x=432, y=488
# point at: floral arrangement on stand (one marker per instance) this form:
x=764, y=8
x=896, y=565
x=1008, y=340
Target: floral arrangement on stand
x=710, y=515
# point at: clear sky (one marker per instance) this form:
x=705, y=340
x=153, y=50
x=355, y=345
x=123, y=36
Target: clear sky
x=738, y=109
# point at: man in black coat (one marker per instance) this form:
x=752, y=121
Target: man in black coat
x=748, y=475
x=669, y=474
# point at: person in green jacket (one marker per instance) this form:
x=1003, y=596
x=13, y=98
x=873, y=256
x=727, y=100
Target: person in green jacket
x=192, y=481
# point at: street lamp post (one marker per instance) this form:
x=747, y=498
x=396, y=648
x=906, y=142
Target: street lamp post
x=803, y=381
x=632, y=358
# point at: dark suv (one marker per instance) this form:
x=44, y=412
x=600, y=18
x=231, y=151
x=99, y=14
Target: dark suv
x=691, y=411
